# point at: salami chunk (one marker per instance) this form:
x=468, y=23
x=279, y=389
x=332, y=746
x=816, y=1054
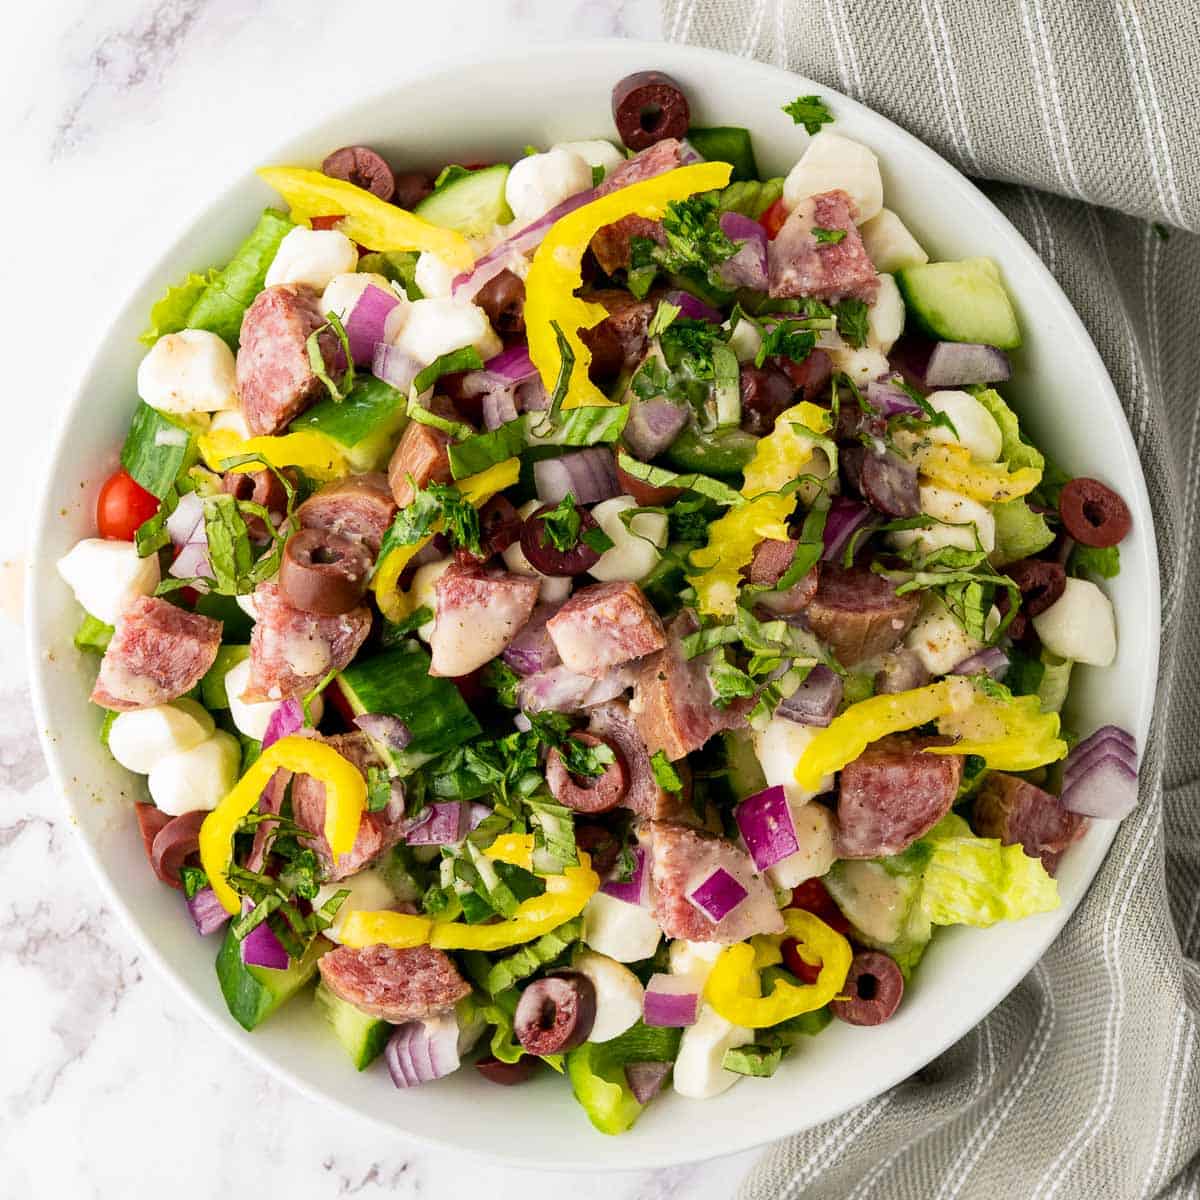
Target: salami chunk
x=603, y=626
x=377, y=831
x=478, y=614
x=772, y=557
x=680, y=861
x=654, y=160
x=360, y=506
x=292, y=651
x=420, y=458
x=395, y=985
x=158, y=651
x=617, y=343
x=613, y=244
x=858, y=612
x=673, y=701
x=892, y=794
x=832, y=271
x=1016, y=811
x=275, y=379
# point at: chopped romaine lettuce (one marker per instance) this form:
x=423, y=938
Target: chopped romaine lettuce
x=597, y=1073
x=1014, y=449
x=1020, y=532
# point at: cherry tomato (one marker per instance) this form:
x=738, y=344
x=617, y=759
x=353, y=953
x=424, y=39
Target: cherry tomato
x=329, y=222
x=812, y=896
x=122, y=506
x=803, y=971
x=772, y=220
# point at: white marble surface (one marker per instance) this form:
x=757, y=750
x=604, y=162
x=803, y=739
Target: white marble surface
x=119, y=118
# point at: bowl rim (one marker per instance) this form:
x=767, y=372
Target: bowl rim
x=634, y=1159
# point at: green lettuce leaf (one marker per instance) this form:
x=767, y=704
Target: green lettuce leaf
x=1056, y=679
x=169, y=314
x=597, y=1073
x=1014, y=449
x=1020, y=532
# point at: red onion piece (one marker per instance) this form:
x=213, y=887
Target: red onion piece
x=1104, y=734
x=261, y=948
x=438, y=825
x=589, y=475
x=748, y=267
x=394, y=367
x=989, y=661
x=718, y=895
x=287, y=719
x=364, y=325
x=935, y=365
x=422, y=1051
x=477, y=813
x=845, y=516
x=634, y=891
x=385, y=728
x=499, y=407
x=652, y=426
x=207, y=912
x=556, y=689
x=816, y=700
x=670, y=1000
x=1106, y=788
x=645, y=1079
x=767, y=828
x=1105, y=743
x=891, y=399
x=513, y=363
x=192, y=560
x=693, y=308
x=181, y=524
x=532, y=650
x=173, y=843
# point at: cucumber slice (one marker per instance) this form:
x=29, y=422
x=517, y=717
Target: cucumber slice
x=212, y=685
x=157, y=450
x=471, y=204
x=365, y=424
x=746, y=776
x=727, y=143
x=254, y=993
x=93, y=634
x=961, y=302
x=363, y=1036
x=724, y=453
x=398, y=682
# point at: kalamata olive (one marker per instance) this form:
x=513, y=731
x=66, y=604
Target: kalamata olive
x=499, y=524
x=507, y=1074
x=766, y=392
x=361, y=166
x=646, y=493
x=1093, y=513
x=1041, y=583
x=411, y=188
x=1020, y=628
x=324, y=572
x=600, y=844
x=588, y=793
x=259, y=487
x=885, y=481
x=556, y=1013
x=543, y=556
x=875, y=987
x=503, y=299
x=647, y=107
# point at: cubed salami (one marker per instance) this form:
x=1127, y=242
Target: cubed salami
x=275, y=379
x=605, y=625
x=1015, y=811
x=892, y=794
x=654, y=160
x=478, y=614
x=292, y=651
x=680, y=861
x=360, y=506
x=831, y=271
x=420, y=458
x=394, y=985
x=858, y=612
x=613, y=244
x=618, y=342
x=772, y=557
x=158, y=651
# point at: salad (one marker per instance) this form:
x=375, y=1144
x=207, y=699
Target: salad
x=596, y=613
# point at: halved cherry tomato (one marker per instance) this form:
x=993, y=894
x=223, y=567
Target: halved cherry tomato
x=813, y=896
x=805, y=972
x=329, y=222
x=772, y=220
x=123, y=504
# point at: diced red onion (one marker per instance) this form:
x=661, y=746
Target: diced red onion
x=1105, y=743
x=767, y=828
x=890, y=398
x=181, y=524
x=1106, y=733
x=512, y=363
x=385, y=727
x=645, y=1079
x=989, y=661
x=588, y=475
x=477, y=813
x=207, y=912
x=364, y=325
x=609, y=686
x=692, y=307
x=422, y=1051
x=287, y=719
x=438, y=825
x=532, y=395
x=1106, y=788
x=718, y=895
x=532, y=650
x=652, y=426
x=748, y=267
x=816, y=700
x=845, y=516
x=499, y=407
x=261, y=948
x=192, y=560
x=671, y=1000
x=688, y=154
x=394, y=367
x=557, y=689
x=634, y=890
x=951, y=364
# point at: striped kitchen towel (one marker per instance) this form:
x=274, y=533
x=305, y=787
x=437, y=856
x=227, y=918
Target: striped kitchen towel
x=1081, y=120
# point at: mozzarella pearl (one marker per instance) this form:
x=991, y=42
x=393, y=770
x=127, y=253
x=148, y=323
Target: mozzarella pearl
x=885, y=318
x=814, y=834
x=424, y=592
x=539, y=182
x=939, y=641
x=960, y=512
x=435, y=327
x=234, y=420
x=626, y=932
x=192, y=371
x=312, y=256
x=888, y=243
x=745, y=341
x=698, y=1073
x=778, y=748
x=861, y=365
x=632, y=556
x=977, y=428
x=694, y=960
x=368, y=893
x=197, y=779
x=106, y=576
x=596, y=152
x=1080, y=625
x=433, y=275
x=619, y=994
x=139, y=739
x=836, y=162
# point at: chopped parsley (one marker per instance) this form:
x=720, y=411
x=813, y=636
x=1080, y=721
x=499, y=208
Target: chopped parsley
x=810, y=111
x=729, y=683
x=852, y=320
x=554, y=730
x=465, y=359
x=828, y=237
x=420, y=517
x=787, y=339
x=562, y=528
x=503, y=680
x=194, y=879
x=665, y=776
x=694, y=244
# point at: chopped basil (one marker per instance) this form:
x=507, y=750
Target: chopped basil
x=151, y=535
x=729, y=683
x=704, y=485
x=396, y=633
x=316, y=360
x=852, y=321
x=760, y=1061
x=665, y=776
x=194, y=879
x=465, y=359
x=503, y=680
x=810, y=111
x=416, y=520
x=664, y=314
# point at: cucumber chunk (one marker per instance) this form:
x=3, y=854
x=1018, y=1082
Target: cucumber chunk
x=724, y=453
x=362, y=1036
x=254, y=993
x=961, y=302
x=746, y=776
x=470, y=204
x=365, y=424
x=212, y=685
x=157, y=450
x=727, y=143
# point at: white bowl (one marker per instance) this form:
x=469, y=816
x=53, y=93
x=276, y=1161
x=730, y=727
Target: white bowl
x=472, y=112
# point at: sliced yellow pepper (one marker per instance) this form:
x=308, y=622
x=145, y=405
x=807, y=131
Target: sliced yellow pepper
x=398, y=930
x=735, y=991
x=368, y=220
x=990, y=483
x=1012, y=735
x=555, y=272
x=313, y=452
x=345, y=802
x=478, y=489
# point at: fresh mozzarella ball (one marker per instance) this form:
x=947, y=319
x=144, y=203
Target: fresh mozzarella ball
x=626, y=932
x=631, y=557
x=977, y=428
x=745, y=341
x=138, y=739
x=835, y=162
x=960, y=512
x=860, y=365
x=778, y=748
x=539, y=182
x=939, y=641
x=885, y=318
x=196, y=779
x=595, y=152
x=234, y=420
x=1080, y=624
x=312, y=256
x=435, y=327
x=554, y=588
x=694, y=960
x=343, y=291
x=888, y=243
x=619, y=994
x=424, y=592
x=433, y=275
x=106, y=576
x=814, y=834
x=368, y=893
x=698, y=1073
x=251, y=717
x=192, y=371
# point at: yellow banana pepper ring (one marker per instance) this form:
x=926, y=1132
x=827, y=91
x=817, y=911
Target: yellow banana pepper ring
x=990, y=483
x=1010, y=735
x=555, y=272
x=478, y=489
x=345, y=802
x=367, y=220
x=735, y=991
x=398, y=930
x=313, y=452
